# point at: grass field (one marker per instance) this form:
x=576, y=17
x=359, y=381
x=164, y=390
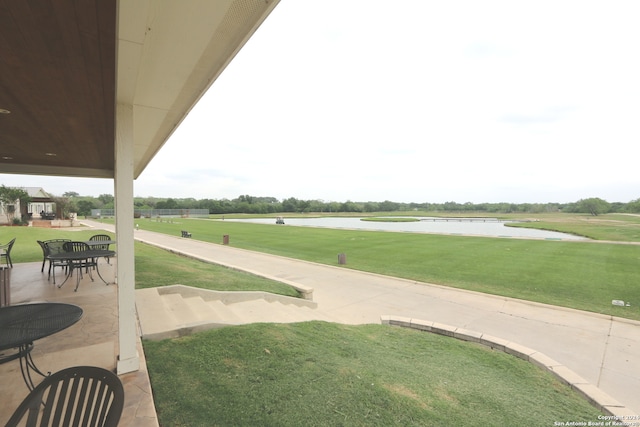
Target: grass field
x=157, y=267
x=322, y=374
x=154, y=266
x=318, y=373
x=581, y=275
x=611, y=227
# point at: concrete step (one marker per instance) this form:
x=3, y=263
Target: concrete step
x=253, y=311
x=224, y=313
x=169, y=312
x=180, y=309
x=199, y=307
x=152, y=316
x=274, y=312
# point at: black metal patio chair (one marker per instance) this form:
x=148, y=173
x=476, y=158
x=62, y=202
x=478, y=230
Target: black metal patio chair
x=87, y=263
x=98, y=238
x=44, y=253
x=54, y=246
x=5, y=252
x=78, y=396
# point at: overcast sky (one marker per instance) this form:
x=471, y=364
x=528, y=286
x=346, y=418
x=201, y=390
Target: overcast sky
x=413, y=100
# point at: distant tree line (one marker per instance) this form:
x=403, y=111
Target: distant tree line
x=266, y=205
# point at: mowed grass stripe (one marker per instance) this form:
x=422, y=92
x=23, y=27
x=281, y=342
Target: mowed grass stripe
x=324, y=374
x=581, y=275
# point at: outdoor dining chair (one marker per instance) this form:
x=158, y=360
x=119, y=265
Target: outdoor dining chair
x=87, y=263
x=44, y=253
x=101, y=237
x=77, y=396
x=53, y=246
x=5, y=252
x=46, y=250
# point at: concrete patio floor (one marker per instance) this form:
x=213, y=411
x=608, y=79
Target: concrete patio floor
x=92, y=341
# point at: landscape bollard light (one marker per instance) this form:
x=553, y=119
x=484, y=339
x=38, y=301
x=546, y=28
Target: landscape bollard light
x=225, y=239
x=342, y=258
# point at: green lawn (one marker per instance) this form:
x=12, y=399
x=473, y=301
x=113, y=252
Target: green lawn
x=581, y=275
x=319, y=373
x=26, y=248
x=154, y=266
x=614, y=227
x=322, y=374
x=157, y=267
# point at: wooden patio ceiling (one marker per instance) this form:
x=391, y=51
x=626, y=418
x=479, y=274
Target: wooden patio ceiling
x=57, y=86
x=65, y=65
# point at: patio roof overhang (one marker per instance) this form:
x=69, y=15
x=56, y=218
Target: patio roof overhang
x=94, y=88
x=66, y=65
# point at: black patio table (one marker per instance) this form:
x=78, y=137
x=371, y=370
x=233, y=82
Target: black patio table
x=21, y=325
x=73, y=257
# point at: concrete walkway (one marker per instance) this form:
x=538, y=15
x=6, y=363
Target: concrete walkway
x=603, y=350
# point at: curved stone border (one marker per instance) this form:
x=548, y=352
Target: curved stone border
x=593, y=394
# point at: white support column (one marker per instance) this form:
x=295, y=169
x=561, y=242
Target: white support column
x=128, y=360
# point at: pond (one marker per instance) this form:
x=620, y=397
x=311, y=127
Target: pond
x=457, y=226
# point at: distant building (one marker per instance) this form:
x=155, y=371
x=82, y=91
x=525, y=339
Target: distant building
x=41, y=203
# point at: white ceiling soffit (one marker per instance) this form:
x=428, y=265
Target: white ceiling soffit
x=169, y=53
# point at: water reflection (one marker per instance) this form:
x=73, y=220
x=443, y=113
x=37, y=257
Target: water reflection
x=476, y=227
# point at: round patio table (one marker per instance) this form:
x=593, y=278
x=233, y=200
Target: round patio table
x=72, y=257
x=21, y=325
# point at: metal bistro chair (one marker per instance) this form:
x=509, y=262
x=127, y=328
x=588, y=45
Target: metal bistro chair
x=5, y=252
x=44, y=253
x=53, y=246
x=87, y=263
x=77, y=396
x=101, y=237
